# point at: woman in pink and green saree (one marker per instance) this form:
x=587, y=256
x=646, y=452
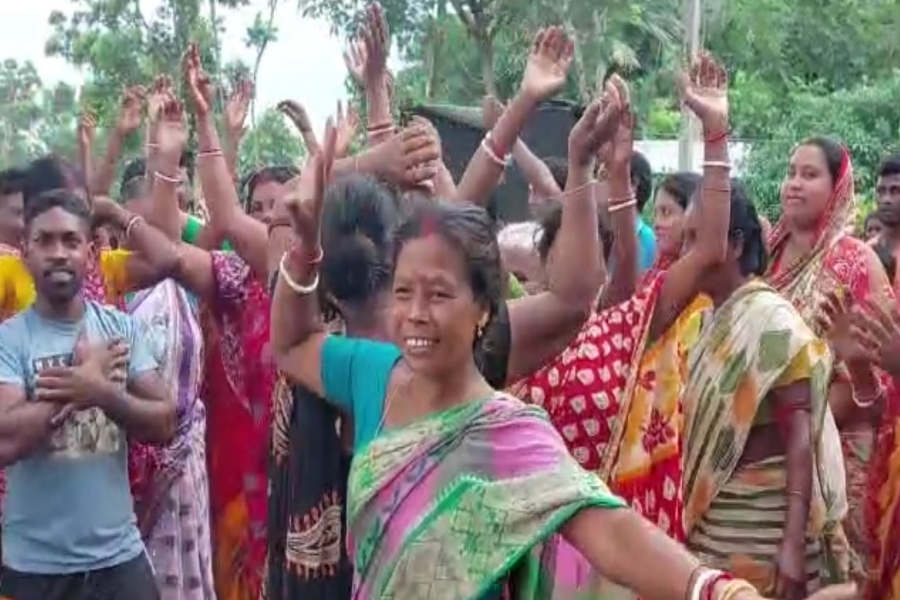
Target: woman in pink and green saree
x=458, y=490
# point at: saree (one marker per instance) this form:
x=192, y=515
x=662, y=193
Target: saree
x=310, y=464
x=307, y=556
x=839, y=261
x=620, y=422
x=457, y=505
x=735, y=511
x=173, y=508
x=240, y=379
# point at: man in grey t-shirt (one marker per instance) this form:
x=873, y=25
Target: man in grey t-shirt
x=76, y=379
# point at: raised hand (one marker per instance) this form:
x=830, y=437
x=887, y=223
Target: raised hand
x=597, y=125
x=705, y=91
x=130, y=110
x=237, y=107
x=297, y=114
x=199, y=88
x=306, y=201
x=409, y=157
x=173, y=134
x=548, y=63
x=345, y=129
x=620, y=148
x=356, y=59
x=160, y=92
x=87, y=130
x=491, y=109
x=377, y=41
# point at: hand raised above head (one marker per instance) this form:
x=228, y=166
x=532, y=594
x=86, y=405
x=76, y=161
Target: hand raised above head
x=597, y=124
x=131, y=109
x=704, y=89
x=548, y=63
x=173, y=134
x=199, y=87
x=305, y=201
x=237, y=106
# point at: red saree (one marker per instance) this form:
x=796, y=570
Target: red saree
x=838, y=260
x=240, y=378
x=616, y=401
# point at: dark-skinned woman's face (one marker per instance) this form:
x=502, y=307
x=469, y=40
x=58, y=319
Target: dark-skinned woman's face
x=434, y=314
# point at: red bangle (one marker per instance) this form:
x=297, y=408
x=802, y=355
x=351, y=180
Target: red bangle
x=497, y=150
x=707, y=592
x=299, y=253
x=716, y=137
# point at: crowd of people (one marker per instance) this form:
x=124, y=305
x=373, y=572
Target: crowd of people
x=348, y=379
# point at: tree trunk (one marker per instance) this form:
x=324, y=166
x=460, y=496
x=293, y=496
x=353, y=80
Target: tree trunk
x=273, y=7
x=486, y=54
x=436, y=50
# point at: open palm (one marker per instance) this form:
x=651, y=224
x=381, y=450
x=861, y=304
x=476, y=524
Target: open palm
x=705, y=91
x=548, y=63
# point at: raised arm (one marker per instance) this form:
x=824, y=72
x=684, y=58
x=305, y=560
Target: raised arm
x=165, y=137
x=235, y=115
x=536, y=173
x=542, y=325
x=129, y=120
x=152, y=257
x=545, y=74
x=621, y=207
x=226, y=218
x=298, y=333
x=705, y=92
x=366, y=60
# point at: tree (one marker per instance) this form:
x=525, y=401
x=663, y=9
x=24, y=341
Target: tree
x=865, y=117
x=33, y=119
x=269, y=142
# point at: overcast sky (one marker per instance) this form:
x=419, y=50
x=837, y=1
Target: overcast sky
x=304, y=64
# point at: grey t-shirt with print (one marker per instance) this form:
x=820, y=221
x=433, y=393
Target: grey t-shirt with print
x=68, y=506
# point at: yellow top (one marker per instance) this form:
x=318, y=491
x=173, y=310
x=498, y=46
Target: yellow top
x=17, y=287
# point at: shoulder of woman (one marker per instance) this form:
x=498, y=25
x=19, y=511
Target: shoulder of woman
x=856, y=265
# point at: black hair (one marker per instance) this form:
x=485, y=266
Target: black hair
x=889, y=166
x=12, y=181
x=745, y=225
x=833, y=151
x=51, y=173
x=359, y=216
x=550, y=221
x=681, y=186
x=887, y=259
x=559, y=169
x=57, y=198
x=133, y=178
x=279, y=174
x=470, y=230
x=641, y=179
